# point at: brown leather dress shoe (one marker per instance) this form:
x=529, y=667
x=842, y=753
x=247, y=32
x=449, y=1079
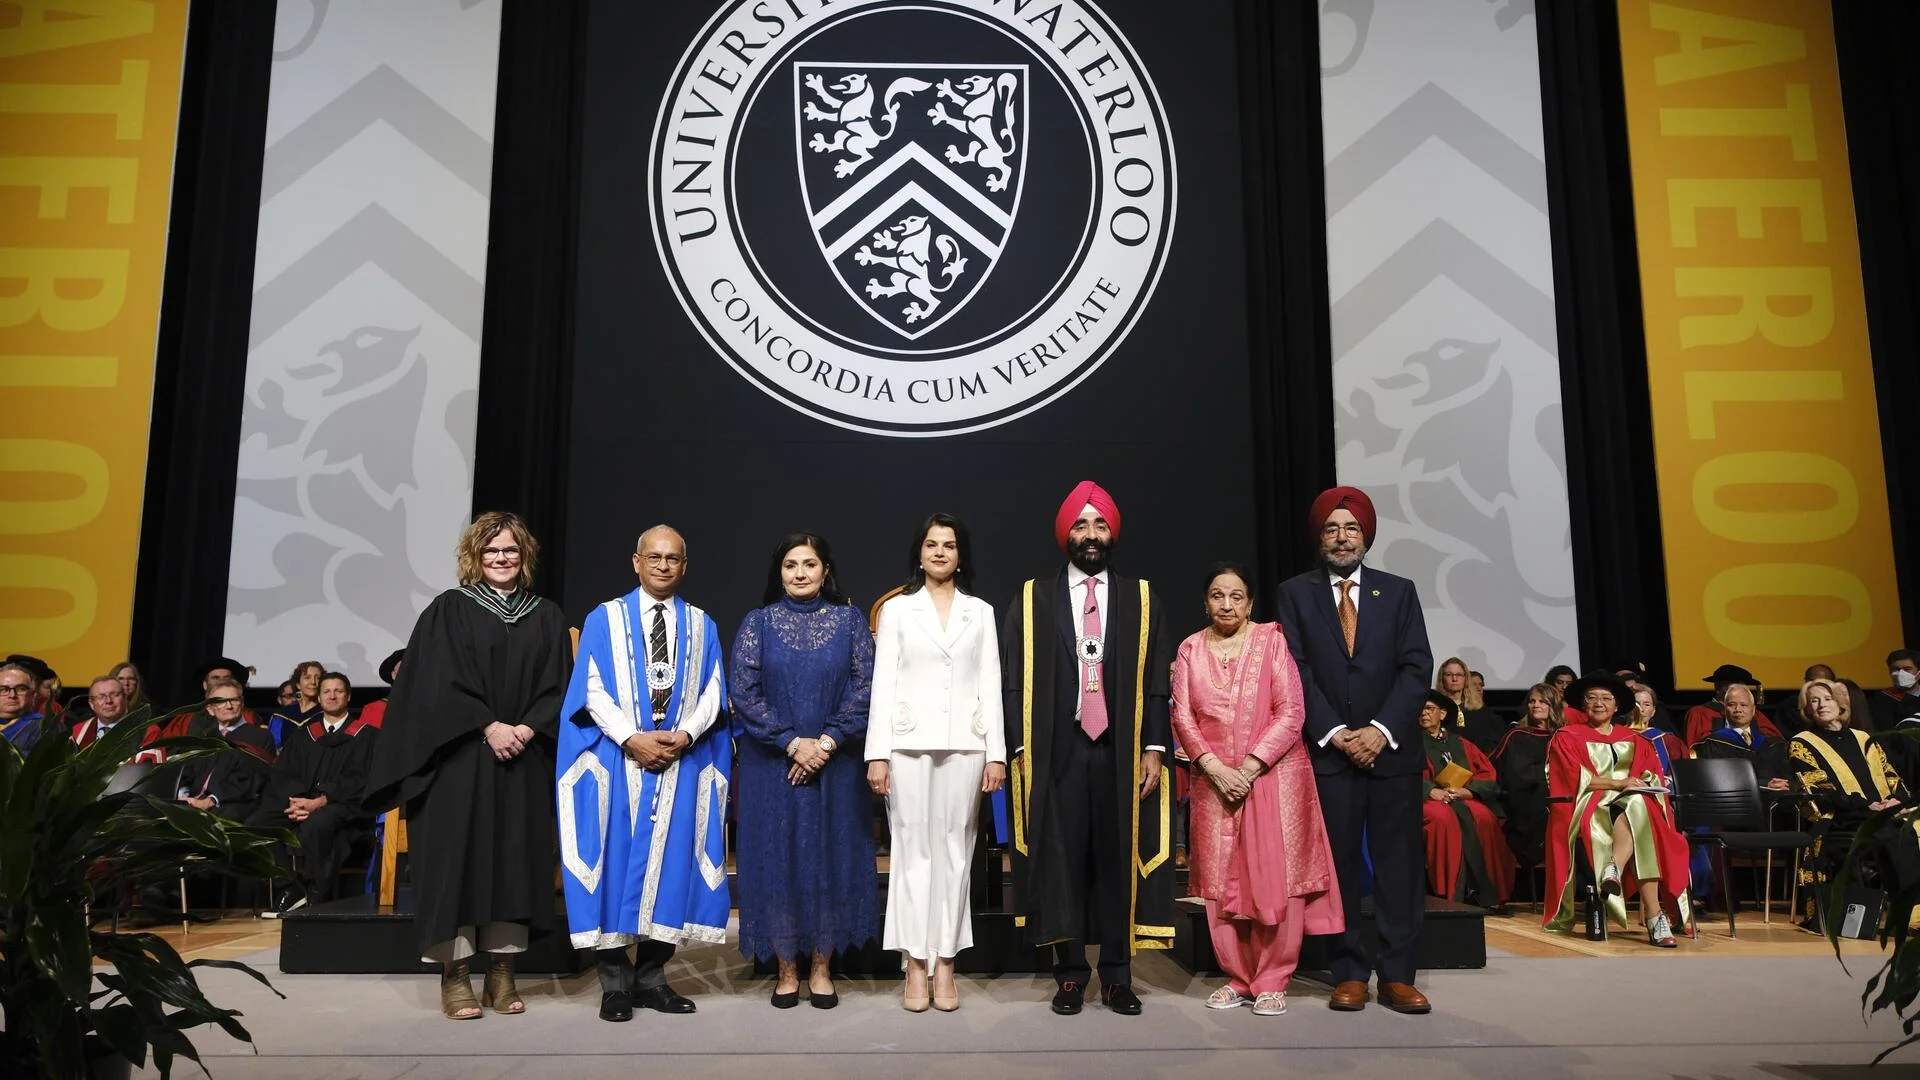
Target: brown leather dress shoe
x=1404, y=998
x=1349, y=996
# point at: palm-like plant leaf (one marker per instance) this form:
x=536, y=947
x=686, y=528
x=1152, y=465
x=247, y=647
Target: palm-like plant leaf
x=62, y=838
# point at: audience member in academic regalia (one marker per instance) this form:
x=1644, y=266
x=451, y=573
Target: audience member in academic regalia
x=109, y=704
x=491, y=659
x=1560, y=676
x=1704, y=720
x=375, y=712
x=230, y=785
x=1901, y=701
x=1617, y=813
x=1520, y=764
x=1645, y=722
x=1468, y=714
x=315, y=791
x=1786, y=712
x=1634, y=674
x=202, y=723
x=1843, y=777
x=288, y=696
x=306, y=683
x=46, y=700
x=19, y=721
x=1467, y=853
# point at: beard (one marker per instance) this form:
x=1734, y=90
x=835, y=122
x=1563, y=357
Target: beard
x=1342, y=558
x=1090, y=555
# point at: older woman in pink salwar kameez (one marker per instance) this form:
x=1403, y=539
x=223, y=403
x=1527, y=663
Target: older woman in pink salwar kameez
x=1259, y=852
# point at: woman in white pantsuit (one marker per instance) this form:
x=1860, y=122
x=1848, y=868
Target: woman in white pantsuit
x=934, y=745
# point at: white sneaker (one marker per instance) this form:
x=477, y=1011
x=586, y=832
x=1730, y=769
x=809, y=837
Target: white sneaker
x=1660, y=932
x=1271, y=1003
x=1227, y=998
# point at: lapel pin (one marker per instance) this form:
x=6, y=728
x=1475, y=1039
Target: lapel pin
x=1376, y=592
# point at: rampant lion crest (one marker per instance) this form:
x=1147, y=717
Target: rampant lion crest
x=910, y=248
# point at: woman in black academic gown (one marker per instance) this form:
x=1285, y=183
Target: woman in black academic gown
x=466, y=750
x=1520, y=761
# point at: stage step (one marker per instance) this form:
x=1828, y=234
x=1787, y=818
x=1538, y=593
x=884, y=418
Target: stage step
x=1454, y=936
x=356, y=936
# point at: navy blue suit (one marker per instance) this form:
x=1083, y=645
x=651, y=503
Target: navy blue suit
x=1384, y=680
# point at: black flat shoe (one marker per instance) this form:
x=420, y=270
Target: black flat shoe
x=1121, y=999
x=1068, y=999
x=616, y=1007
x=824, y=1001
x=784, y=1001
x=662, y=999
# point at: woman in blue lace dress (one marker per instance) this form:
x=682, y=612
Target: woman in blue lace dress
x=801, y=674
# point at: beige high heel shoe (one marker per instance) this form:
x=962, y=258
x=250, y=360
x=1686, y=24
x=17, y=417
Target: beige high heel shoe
x=946, y=1003
x=910, y=1001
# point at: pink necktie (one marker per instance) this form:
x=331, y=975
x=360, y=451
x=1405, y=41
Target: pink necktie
x=1093, y=699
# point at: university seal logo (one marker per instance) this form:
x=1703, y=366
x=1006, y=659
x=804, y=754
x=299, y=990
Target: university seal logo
x=912, y=217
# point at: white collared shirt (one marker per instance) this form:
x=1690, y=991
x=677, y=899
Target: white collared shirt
x=332, y=725
x=1334, y=580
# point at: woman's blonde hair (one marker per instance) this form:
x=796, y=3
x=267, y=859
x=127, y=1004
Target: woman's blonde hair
x=1556, y=705
x=1834, y=691
x=1470, y=699
x=486, y=527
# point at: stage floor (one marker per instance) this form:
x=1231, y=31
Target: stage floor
x=1775, y=1003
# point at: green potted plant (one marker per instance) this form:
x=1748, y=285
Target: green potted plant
x=64, y=843
x=1896, y=985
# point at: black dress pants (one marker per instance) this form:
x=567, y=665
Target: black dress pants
x=1092, y=842
x=1382, y=813
x=324, y=839
x=647, y=970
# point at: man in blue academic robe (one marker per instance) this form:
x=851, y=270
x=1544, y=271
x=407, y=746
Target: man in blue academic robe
x=644, y=763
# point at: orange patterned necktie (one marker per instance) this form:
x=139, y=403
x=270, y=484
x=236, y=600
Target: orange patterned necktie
x=1349, y=615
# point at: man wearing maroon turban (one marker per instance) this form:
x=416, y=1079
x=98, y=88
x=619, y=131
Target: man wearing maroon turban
x=1360, y=642
x=1085, y=662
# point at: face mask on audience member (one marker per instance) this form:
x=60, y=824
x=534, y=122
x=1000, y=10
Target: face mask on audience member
x=1905, y=679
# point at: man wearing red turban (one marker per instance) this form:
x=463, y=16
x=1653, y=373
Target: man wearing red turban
x=1085, y=664
x=1360, y=642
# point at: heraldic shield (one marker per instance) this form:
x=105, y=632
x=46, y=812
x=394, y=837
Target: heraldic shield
x=912, y=177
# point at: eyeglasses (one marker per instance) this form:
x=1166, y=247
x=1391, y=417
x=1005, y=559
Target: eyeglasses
x=22, y=689
x=509, y=554
x=1351, y=528
x=654, y=558
x=223, y=701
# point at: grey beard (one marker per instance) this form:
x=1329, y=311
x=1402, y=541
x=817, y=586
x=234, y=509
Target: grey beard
x=1331, y=566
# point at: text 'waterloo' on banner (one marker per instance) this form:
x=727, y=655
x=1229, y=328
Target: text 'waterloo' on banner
x=89, y=105
x=1771, y=478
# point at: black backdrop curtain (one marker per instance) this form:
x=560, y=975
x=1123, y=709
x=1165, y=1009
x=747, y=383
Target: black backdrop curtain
x=526, y=350
x=1619, y=569
x=1288, y=316
x=200, y=358
x=1881, y=91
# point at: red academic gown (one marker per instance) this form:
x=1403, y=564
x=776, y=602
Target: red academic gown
x=1704, y=720
x=1446, y=855
x=1567, y=759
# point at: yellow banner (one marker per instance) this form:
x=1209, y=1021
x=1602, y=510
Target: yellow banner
x=89, y=104
x=1772, y=486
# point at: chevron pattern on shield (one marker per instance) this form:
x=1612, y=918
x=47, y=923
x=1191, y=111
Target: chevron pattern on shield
x=912, y=176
